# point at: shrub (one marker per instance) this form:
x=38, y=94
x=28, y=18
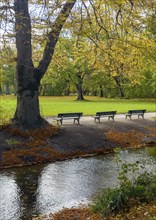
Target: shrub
x=110, y=201
x=132, y=188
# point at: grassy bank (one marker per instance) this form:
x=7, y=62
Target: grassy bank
x=52, y=105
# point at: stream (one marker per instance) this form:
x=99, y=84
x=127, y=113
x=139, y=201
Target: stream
x=46, y=188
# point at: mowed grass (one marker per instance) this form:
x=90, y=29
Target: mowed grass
x=52, y=105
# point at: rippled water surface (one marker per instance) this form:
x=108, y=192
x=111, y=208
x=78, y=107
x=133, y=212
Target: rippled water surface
x=48, y=188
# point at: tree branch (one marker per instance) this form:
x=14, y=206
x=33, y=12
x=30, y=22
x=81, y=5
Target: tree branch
x=52, y=39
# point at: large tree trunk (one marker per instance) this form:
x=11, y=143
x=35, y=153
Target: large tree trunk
x=79, y=92
x=27, y=113
x=79, y=87
x=117, y=80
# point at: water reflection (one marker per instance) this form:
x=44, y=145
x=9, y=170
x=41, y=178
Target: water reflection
x=27, y=179
x=10, y=208
x=45, y=188
x=73, y=182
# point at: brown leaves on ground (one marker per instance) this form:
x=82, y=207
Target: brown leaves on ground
x=152, y=132
x=141, y=212
x=29, y=143
x=71, y=214
x=127, y=139
x=34, y=134
x=33, y=147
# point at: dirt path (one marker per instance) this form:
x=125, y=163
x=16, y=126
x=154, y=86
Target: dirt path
x=92, y=135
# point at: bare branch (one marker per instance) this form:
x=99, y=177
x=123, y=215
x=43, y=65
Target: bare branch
x=53, y=38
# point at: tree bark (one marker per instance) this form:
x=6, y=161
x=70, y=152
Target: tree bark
x=101, y=91
x=79, y=92
x=27, y=113
x=7, y=91
x=79, y=87
x=28, y=78
x=1, y=91
x=117, y=80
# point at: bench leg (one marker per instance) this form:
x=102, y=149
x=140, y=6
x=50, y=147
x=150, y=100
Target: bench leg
x=128, y=116
x=77, y=119
x=109, y=117
x=142, y=115
x=59, y=122
x=98, y=118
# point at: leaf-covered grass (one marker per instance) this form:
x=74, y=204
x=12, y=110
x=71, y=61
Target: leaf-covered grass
x=52, y=105
x=141, y=212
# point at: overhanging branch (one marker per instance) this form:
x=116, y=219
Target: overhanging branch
x=53, y=37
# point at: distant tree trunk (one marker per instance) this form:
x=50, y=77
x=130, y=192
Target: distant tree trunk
x=117, y=80
x=66, y=92
x=15, y=87
x=7, y=91
x=42, y=89
x=1, y=91
x=105, y=92
x=67, y=88
x=27, y=114
x=86, y=92
x=95, y=92
x=79, y=87
x=79, y=92
x=101, y=91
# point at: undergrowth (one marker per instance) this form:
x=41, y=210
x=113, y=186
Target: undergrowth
x=134, y=188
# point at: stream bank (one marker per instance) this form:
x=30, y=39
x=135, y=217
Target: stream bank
x=72, y=140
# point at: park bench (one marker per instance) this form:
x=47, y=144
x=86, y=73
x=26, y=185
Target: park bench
x=135, y=112
x=109, y=114
x=67, y=116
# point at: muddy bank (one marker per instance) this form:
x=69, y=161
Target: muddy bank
x=74, y=140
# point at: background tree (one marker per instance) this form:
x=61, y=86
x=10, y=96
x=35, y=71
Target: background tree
x=7, y=71
x=73, y=61
x=123, y=47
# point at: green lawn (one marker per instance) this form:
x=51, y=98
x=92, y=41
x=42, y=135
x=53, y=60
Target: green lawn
x=51, y=106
